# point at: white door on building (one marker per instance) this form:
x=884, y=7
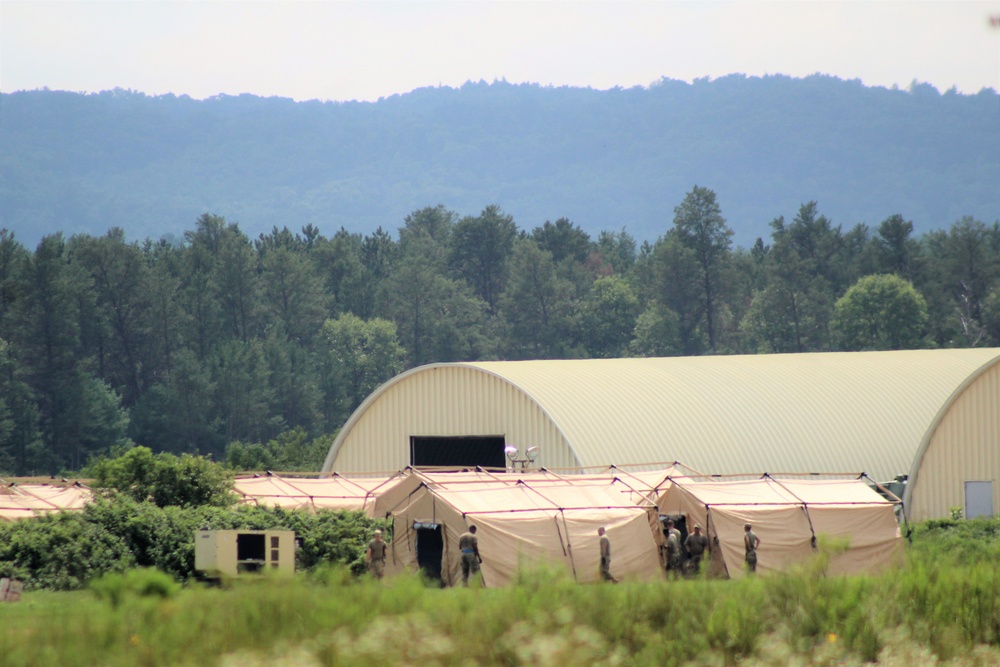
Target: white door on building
x=978, y=499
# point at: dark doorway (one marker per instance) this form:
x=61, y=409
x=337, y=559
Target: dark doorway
x=430, y=550
x=250, y=552
x=471, y=451
x=680, y=523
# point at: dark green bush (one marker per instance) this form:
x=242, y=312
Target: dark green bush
x=60, y=551
x=142, y=582
x=116, y=533
x=164, y=479
x=157, y=537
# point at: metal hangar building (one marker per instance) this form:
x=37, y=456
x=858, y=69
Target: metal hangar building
x=932, y=416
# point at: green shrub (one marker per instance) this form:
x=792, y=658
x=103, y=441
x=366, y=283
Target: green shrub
x=61, y=551
x=164, y=479
x=143, y=582
x=65, y=551
x=736, y=622
x=157, y=537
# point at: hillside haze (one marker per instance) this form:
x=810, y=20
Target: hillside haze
x=607, y=160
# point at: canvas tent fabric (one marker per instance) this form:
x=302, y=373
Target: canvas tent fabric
x=335, y=492
x=26, y=501
x=635, y=487
x=791, y=518
x=524, y=522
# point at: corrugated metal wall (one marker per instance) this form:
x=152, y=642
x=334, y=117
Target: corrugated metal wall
x=821, y=412
x=964, y=447
x=824, y=412
x=446, y=401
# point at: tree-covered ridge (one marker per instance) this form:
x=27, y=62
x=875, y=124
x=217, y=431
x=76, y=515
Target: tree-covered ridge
x=605, y=159
x=221, y=343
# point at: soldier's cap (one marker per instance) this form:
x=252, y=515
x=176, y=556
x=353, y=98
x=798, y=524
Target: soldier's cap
x=378, y=532
x=697, y=525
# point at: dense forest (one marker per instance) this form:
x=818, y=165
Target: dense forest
x=613, y=159
x=219, y=342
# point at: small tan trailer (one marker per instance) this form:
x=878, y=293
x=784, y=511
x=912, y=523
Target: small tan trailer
x=222, y=554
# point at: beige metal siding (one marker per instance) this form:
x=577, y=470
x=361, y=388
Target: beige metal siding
x=964, y=447
x=829, y=412
x=443, y=400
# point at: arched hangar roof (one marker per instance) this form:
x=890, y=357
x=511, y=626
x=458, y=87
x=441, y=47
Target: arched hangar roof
x=821, y=412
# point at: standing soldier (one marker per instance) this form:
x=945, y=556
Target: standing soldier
x=673, y=550
x=468, y=543
x=605, y=544
x=696, y=544
x=376, y=555
x=751, y=542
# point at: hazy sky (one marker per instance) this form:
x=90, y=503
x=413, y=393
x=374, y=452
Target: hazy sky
x=369, y=49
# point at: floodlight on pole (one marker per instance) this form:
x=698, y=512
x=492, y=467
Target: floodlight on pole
x=516, y=460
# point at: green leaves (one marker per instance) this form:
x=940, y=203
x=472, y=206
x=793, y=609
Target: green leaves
x=882, y=312
x=164, y=479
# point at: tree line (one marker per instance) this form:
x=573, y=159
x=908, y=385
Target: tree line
x=248, y=349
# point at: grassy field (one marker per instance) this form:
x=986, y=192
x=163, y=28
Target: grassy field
x=942, y=608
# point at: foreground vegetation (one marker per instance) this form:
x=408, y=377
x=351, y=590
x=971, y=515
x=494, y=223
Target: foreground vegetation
x=942, y=608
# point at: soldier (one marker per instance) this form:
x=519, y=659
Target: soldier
x=376, y=555
x=673, y=550
x=469, y=545
x=605, y=544
x=751, y=542
x=696, y=544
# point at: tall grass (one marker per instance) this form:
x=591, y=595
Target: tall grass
x=944, y=605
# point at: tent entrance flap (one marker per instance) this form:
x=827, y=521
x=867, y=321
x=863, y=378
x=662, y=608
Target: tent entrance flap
x=461, y=450
x=430, y=549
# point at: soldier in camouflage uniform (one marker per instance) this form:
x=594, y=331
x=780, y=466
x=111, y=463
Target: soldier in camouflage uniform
x=605, y=545
x=468, y=543
x=696, y=545
x=751, y=543
x=673, y=550
x=376, y=555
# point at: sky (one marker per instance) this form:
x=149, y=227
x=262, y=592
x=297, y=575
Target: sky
x=368, y=49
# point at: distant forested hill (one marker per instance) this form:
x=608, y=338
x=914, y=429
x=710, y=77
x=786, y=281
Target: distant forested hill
x=614, y=159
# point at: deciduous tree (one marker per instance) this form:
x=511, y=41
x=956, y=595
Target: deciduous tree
x=881, y=312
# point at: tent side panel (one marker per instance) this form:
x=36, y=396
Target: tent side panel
x=784, y=535
x=872, y=533
x=509, y=542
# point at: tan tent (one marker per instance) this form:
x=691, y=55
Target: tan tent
x=26, y=501
x=523, y=520
x=635, y=487
x=335, y=492
x=790, y=517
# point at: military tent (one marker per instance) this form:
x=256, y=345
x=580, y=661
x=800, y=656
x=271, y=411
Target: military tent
x=791, y=517
x=334, y=492
x=522, y=521
x=26, y=501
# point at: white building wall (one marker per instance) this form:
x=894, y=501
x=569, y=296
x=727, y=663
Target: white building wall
x=965, y=446
x=444, y=401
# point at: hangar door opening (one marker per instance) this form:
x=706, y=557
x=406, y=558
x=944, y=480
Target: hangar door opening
x=462, y=450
